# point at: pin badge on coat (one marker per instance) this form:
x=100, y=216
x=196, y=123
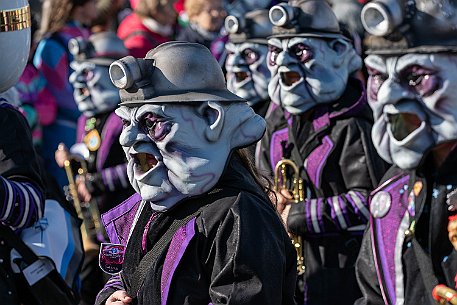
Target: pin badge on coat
x=93, y=140
x=380, y=204
x=111, y=258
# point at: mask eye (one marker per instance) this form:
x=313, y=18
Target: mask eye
x=273, y=54
x=422, y=80
x=155, y=126
x=301, y=52
x=250, y=56
x=375, y=81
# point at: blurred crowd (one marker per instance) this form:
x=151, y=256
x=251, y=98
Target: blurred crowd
x=343, y=99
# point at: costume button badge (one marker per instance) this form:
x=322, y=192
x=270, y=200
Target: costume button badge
x=380, y=204
x=92, y=140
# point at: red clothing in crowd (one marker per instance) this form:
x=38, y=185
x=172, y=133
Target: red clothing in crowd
x=138, y=39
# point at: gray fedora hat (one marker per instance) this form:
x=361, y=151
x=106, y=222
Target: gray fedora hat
x=174, y=71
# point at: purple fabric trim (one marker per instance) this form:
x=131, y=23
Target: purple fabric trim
x=145, y=232
x=376, y=263
x=275, y=146
x=357, y=211
x=386, y=230
x=316, y=160
x=333, y=213
x=112, y=220
x=309, y=221
x=20, y=199
x=344, y=210
x=108, y=180
x=81, y=129
x=114, y=283
x=110, y=133
x=113, y=180
x=354, y=206
x=5, y=196
x=320, y=209
x=178, y=245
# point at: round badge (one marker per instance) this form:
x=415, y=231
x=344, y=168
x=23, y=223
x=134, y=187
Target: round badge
x=380, y=204
x=92, y=140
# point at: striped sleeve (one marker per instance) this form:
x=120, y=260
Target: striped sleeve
x=336, y=213
x=23, y=203
x=112, y=285
x=115, y=177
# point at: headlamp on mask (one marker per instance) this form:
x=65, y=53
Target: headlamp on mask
x=253, y=26
x=101, y=48
x=382, y=17
x=78, y=47
x=234, y=24
x=129, y=72
x=283, y=15
x=410, y=26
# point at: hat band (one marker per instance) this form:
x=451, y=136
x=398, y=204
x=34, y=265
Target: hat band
x=15, y=20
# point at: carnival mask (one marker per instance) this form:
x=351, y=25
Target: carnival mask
x=177, y=150
x=247, y=71
x=413, y=98
x=307, y=72
x=94, y=92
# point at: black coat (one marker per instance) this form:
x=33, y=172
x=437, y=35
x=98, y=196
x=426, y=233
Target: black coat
x=418, y=211
x=342, y=167
x=18, y=162
x=239, y=252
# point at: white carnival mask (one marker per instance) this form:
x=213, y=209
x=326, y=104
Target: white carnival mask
x=414, y=103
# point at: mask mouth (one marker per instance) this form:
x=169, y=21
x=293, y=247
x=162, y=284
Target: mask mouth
x=84, y=92
x=290, y=78
x=241, y=76
x=403, y=124
x=144, y=162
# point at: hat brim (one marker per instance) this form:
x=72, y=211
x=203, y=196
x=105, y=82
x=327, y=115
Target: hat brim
x=416, y=50
x=311, y=35
x=187, y=97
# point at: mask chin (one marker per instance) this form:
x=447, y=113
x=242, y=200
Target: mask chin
x=408, y=152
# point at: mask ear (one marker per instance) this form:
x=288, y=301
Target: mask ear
x=214, y=115
x=346, y=55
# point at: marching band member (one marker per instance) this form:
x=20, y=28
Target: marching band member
x=246, y=63
x=412, y=91
x=323, y=125
x=21, y=186
x=201, y=229
x=105, y=183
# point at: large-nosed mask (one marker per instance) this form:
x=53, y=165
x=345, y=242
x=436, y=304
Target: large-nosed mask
x=307, y=72
x=414, y=104
x=247, y=71
x=94, y=92
x=179, y=150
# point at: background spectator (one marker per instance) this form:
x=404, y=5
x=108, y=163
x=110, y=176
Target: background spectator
x=150, y=24
x=57, y=111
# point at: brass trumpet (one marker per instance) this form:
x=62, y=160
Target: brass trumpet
x=281, y=181
x=444, y=295
x=87, y=211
